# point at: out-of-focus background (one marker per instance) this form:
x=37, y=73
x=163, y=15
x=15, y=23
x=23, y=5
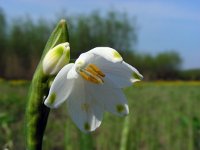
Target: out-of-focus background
x=160, y=38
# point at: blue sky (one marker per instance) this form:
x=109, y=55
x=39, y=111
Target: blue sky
x=163, y=25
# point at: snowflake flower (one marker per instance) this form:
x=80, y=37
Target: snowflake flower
x=92, y=85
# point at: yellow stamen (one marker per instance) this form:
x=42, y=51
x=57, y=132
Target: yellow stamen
x=93, y=74
x=90, y=78
x=96, y=69
x=91, y=71
x=84, y=75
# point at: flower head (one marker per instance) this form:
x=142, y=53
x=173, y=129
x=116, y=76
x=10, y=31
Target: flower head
x=92, y=85
x=56, y=59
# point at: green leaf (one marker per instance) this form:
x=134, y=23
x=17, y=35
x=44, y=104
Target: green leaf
x=36, y=112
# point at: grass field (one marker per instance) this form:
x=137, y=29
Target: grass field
x=163, y=116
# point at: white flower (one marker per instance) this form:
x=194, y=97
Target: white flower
x=91, y=85
x=56, y=59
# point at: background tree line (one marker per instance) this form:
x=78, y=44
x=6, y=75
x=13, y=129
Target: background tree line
x=22, y=41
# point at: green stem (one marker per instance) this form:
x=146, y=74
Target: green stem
x=86, y=141
x=36, y=112
x=124, y=136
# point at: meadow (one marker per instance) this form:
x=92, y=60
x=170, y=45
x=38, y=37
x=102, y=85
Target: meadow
x=163, y=116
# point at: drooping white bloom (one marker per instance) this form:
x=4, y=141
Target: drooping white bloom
x=56, y=59
x=92, y=85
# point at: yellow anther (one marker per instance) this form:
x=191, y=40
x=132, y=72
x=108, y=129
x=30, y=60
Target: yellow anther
x=91, y=71
x=96, y=69
x=94, y=80
x=93, y=74
x=91, y=78
x=84, y=75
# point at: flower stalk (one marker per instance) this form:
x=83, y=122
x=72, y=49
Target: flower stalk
x=125, y=132
x=36, y=112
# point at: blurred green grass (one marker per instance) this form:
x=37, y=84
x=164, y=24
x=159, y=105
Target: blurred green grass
x=163, y=115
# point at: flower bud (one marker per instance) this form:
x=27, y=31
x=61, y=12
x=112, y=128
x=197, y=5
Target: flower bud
x=56, y=58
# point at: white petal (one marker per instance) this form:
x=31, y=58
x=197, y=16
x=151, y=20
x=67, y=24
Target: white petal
x=56, y=58
x=108, y=53
x=84, y=59
x=72, y=73
x=104, y=53
x=60, y=88
x=135, y=73
x=112, y=99
x=122, y=74
x=64, y=59
x=84, y=111
x=117, y=80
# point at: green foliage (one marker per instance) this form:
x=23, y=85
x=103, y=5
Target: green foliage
x=25, y=39
x=12, y=99
x=167, y=65
x=164, y=65
x=36, y=112
x=168, y=118
x=2, y=29
x=2, y=41
x=192, y=74
x=94, y=30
